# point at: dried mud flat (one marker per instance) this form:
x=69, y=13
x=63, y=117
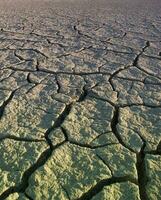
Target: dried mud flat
x=80, y=100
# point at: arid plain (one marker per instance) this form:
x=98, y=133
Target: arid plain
x=80, y=100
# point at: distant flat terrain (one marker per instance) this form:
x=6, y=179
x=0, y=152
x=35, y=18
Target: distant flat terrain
x=80, y=100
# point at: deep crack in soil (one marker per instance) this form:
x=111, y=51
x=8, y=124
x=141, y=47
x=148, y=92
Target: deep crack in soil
x=80, y=100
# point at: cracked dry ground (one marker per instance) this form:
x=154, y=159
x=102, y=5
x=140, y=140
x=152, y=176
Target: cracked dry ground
x=80, y=105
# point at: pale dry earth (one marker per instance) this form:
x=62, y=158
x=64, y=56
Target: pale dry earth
x=80, y=100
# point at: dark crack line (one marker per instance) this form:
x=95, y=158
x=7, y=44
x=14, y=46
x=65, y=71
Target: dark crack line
x=135, y=62
x=141, y=170
x=104, y=133
x=123, y=105
x=21, y=188
x=114, y=123
x=95, y=96
x=21, y=70
x=58, y=124
x=10, y=75
x=105, y=163
x=38, y=68
x=150, y=74
x=44, y=36
x=13, y=32
x=88, y=146
x=21, y=139
x=120, y=52
x=40, y=162
x=64, y=131
x=152, y=57
x=20, y=57
x=121, y=45
x=140, y=165
x=62, y=186
x=138, y=104
x=83, y=95
x=58, y=84
x=28, y=78
x=138, y=80
x=103, y=183
x=159, y=147
x=62, y=116
x=144, y=35
x=18, y=39
x=72, y=53
x=5, y=103
x=28, y=197
x=111, y=83
x=29, y=49
x=155, y=152
x=66, y=192
x=34, y=85
x=114, y=74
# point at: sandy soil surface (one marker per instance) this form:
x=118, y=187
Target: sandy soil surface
x=80, y=100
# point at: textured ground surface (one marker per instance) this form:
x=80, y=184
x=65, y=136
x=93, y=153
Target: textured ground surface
x=80, y=100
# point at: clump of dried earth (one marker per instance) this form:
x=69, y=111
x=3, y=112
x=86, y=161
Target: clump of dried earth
x=80, y=100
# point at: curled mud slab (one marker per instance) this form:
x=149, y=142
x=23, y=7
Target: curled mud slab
x=80, y=100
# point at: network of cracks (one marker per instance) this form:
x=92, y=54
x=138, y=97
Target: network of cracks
x=80, y=110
